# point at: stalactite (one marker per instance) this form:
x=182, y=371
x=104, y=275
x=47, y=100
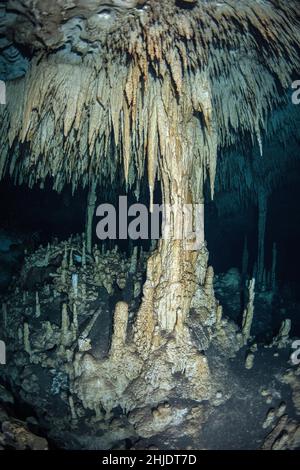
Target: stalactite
x=113, y=99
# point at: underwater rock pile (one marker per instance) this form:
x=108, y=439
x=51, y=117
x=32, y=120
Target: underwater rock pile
x=15, y=435
x=78, y=356
x=285, y=432
x=62, y=359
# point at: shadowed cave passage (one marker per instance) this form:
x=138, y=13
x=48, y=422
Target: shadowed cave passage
x=122, y=345
x=50, y=214
x=34, y=217
x=226, y=235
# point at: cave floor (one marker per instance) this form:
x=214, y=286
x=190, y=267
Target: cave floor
x=237, y=423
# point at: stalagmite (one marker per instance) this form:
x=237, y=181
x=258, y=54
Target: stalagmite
x=65, y=325
x=97, y=255
x=27, y=346
x=133, y=264
x=37, y=305
x=248, y=312
x=72, y=408
x=89, y=326
x=20, y=335
x=249, y=361
x=71, y=259
x=75, y=284
x=83, y=255
x=83, y=286
x=75, y=317
x=282, y=339
x=47, y=255
x=120, y=329
x=64, y=266
x=209, y=282
x=219, y=316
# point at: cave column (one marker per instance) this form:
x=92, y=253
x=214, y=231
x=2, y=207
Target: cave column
x=274, y=266
x=171, y=271
x=262, y=218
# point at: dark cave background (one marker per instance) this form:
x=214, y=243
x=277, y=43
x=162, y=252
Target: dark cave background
x=225, y=233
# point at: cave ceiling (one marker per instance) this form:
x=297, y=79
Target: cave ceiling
x=101, y=85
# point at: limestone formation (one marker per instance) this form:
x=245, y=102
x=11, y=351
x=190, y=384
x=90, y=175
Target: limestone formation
x=127, y=95
x=248, y=312
x=282, y=339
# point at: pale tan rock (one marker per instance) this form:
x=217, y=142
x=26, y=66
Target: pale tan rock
x=275, y=433
x=17, y=435
x=281, y=441
x=282, y=339
x=292, y=378
x=249, y=361
x=269, y=418
x=120, y=329
x=281, y=410
x=249, y=311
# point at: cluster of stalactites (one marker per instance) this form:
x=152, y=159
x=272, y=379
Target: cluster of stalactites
x=70, y=123
x=193, y=76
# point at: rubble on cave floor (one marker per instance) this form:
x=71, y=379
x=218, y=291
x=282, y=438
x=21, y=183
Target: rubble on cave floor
x=62, y=302
x=256, y=409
